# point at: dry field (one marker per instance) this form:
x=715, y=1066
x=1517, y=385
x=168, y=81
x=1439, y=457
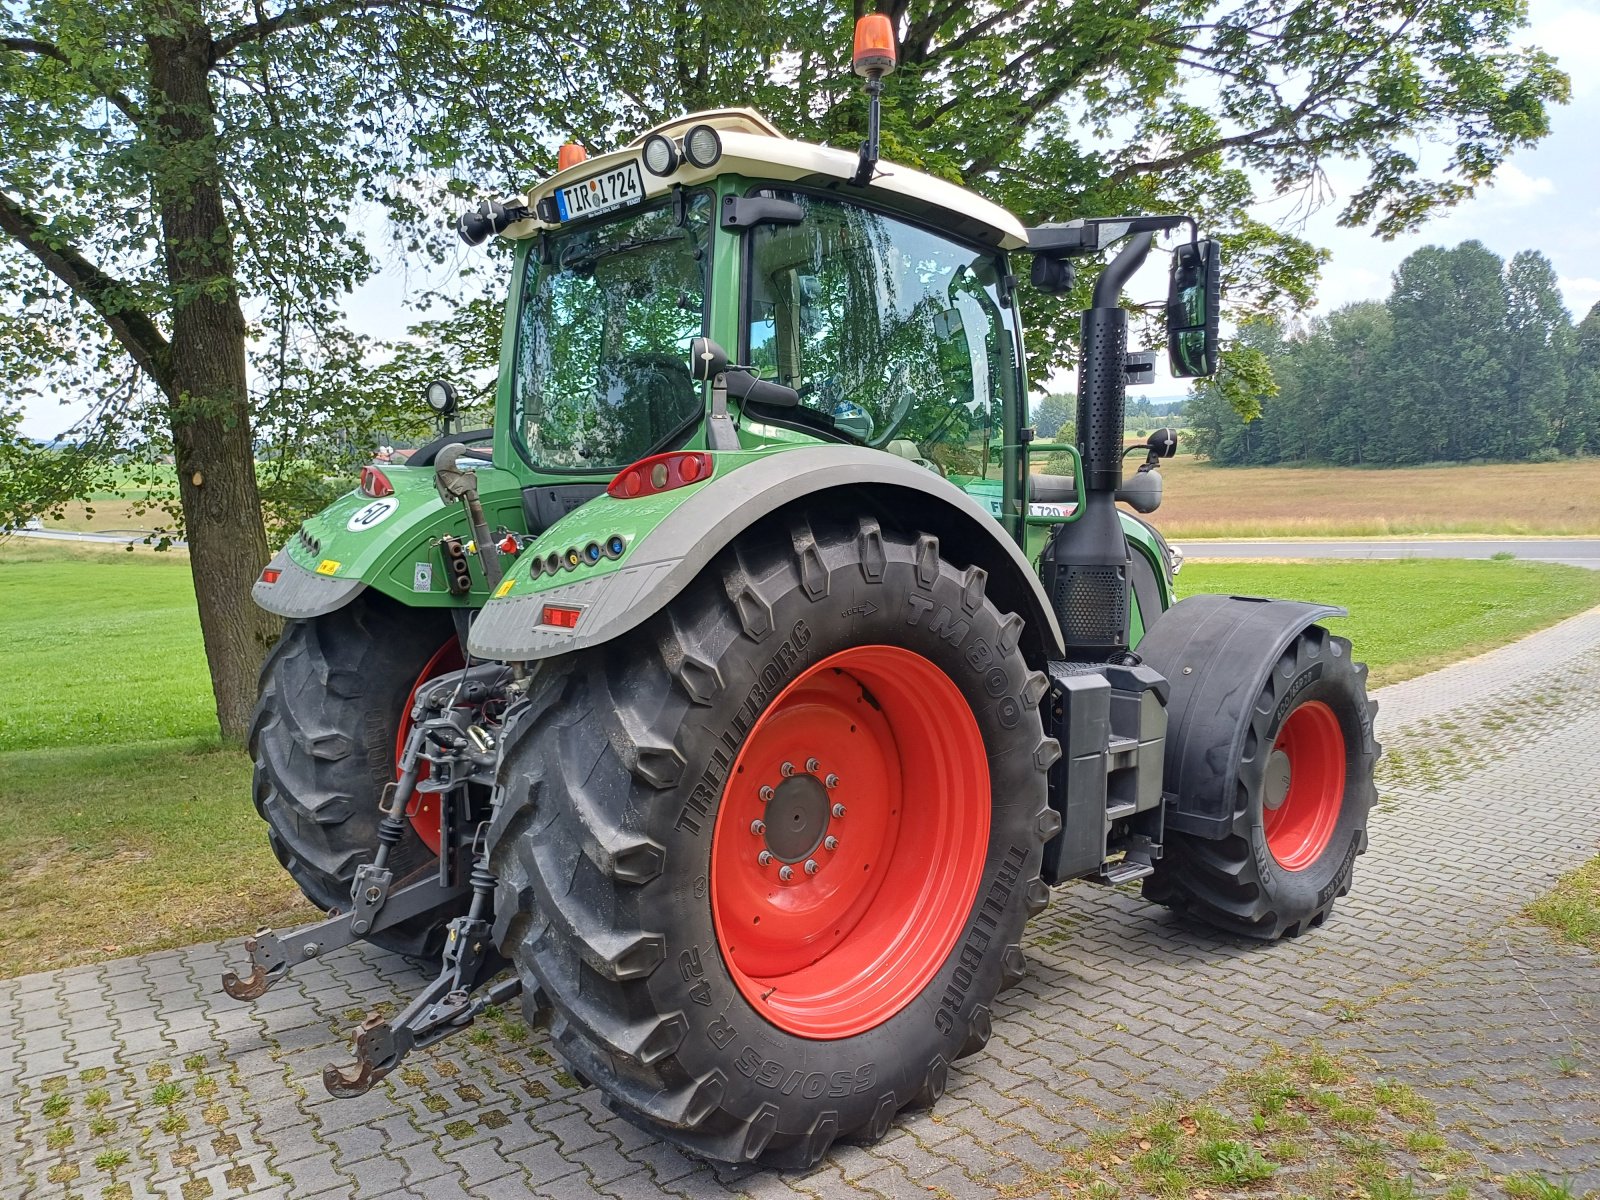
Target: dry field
x=1206, y=501
x=1201, y=500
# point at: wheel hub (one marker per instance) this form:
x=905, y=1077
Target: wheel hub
x=1276, y=789
x=796, y=818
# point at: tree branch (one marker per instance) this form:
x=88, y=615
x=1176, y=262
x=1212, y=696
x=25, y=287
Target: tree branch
x=131, y=326
x=310, y=14
x=50, y=50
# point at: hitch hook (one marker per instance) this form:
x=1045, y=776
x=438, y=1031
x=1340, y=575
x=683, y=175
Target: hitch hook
x=268, y=964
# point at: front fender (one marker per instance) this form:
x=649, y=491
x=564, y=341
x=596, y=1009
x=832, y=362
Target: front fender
x=669, y=538
x=1216, y=653
x=389, y=544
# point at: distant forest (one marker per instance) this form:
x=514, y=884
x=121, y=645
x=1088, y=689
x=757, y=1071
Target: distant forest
x=1470, y=358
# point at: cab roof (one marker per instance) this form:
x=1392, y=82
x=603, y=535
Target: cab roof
x=753, y=146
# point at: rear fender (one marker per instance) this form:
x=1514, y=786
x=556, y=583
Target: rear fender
x=389, y=544
x=1216, y=653
x=670, y=537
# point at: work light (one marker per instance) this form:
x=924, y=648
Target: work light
x=702, y=146
x=660, y=155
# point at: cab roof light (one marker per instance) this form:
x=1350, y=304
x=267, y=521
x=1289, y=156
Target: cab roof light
x=660, y=155
x=560, y=616
x=270, y=575
x=375, y=483
x=570, y=155
x=661, y=473
x=702, y=146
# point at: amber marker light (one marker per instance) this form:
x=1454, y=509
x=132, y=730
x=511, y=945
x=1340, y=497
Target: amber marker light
x=570, y=155
x=874, y=47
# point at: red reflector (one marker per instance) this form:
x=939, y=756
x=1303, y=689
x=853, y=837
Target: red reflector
x=508, y=544
x=270, y=575
x=661, y=473
x=561, y=618
x=375, y=483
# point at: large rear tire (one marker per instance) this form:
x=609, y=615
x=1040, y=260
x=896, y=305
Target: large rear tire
x=769, y=856
x=1304, y=793
x=334, y=692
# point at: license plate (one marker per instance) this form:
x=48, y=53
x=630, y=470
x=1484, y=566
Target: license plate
x=601, y=193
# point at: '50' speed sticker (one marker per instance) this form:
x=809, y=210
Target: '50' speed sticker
x=375, y=513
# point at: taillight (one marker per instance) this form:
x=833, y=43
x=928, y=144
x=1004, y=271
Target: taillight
x=561, y=618
x=661, y=473
x=375, y=483
x=270, y=575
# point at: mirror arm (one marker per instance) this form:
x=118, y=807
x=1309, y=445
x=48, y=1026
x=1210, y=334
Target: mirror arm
x=1122, y=268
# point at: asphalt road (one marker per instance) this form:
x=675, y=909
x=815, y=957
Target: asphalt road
x=1577, y=552
x=114, y=537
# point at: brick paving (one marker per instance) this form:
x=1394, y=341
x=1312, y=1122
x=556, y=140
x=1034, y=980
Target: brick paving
x=138, y=1078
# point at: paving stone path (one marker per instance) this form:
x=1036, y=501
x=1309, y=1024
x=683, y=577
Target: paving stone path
x=139, y=1078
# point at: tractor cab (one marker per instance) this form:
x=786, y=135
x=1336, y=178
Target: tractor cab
x=879, y=315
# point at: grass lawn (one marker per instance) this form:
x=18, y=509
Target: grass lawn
x=124, y=827
x=1309, y=1125
x=1408, y=616
x=111, y=850
x=1572, y=908
x=102, y=647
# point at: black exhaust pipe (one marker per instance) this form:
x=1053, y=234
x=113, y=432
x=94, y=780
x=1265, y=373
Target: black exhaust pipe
x=1085, y=563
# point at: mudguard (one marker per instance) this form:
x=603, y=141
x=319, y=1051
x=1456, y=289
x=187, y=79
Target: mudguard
x=1216, y=652
x=388, y=543
x=668, y=538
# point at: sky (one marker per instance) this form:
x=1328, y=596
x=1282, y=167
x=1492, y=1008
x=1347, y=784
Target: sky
x=1544, y=198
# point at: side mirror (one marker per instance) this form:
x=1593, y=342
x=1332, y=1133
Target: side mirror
x=707, y=360
x=1194, y=303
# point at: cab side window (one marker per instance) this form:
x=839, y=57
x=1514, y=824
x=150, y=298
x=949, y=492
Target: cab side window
x=892, y=335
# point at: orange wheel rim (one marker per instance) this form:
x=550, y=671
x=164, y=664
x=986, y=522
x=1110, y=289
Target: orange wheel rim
x=850, y=842
x=1304, y=787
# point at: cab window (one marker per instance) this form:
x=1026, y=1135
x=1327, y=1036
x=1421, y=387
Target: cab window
x=892, y=335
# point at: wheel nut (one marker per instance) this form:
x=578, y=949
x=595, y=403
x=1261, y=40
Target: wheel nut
x=812, y=765
x=838, y=810
x=758, y=827
x=786, y=873
x=766, y=794
x=786, y=770
x=830, y=842
x=832, y=781
x=764, y=858
x=811, y=866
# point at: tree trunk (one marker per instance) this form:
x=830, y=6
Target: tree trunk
x=207, y=389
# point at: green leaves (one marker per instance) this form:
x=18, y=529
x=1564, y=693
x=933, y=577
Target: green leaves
x=1470, y=359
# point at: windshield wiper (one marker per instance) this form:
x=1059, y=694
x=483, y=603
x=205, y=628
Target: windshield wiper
x=577, y=262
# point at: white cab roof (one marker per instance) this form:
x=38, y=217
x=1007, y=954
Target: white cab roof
x=753, y=146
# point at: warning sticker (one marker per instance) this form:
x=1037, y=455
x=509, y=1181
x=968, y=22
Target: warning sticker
x=327, y=566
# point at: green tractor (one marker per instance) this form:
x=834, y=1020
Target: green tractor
x=737, y=698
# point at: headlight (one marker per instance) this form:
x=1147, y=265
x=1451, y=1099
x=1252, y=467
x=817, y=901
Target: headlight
x=660, y=155
x=702, y=146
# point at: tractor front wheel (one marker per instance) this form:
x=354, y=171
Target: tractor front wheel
x=768, y=857
x=1303, y=793
x=335, y=699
